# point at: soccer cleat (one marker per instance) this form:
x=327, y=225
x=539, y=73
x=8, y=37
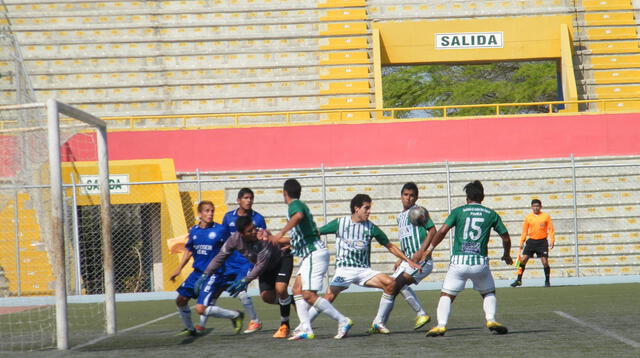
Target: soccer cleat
x=516, y=283
x=199, y=328
x=282, y=332
x=436, y=332
x=187, y=332
x=254, y=326
x=379, y=328
x=298, y=336
x=237, y=322
x=421, y=321
x=547, y=284
x=343, y=329
x=497, y=327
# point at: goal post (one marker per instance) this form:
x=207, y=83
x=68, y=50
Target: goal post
x=54, y=108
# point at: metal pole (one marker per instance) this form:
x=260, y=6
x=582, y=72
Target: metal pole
x=57, y=223
x=575, y=214
x=76, y=235
x=16, y=218
x=324, y=193
x=199, y=185
x=446, y=164
x=105, y=215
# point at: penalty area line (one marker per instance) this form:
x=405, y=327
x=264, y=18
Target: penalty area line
x=102, y=338
x=620, y=338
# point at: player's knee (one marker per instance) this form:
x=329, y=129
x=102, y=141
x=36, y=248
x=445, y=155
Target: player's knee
x=268, y=297
x=309, y=295
x=200, y=309
x=181, y=300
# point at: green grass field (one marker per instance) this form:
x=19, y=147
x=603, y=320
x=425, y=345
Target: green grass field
x=535, y=330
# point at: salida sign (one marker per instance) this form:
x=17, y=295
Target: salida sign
x=118, y=184
x=467, y=40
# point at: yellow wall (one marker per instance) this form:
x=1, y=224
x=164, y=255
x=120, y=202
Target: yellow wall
x=525, y=38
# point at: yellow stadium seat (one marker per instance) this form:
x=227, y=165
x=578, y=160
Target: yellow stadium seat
x=334, y=29
x=615, y=61
x=345, y=72
x=622, y=106
x=344, y=43
x=607, y=4
x=343, y=3
x=347, y=87
x=612, y=33
x=618, y=91
x=610, y=18
x=618, y=76
x=344, y=14
x=614, y=47
x=338, y=58
x=347, y=102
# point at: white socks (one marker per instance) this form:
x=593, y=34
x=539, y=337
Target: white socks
x=489, y=306
x=324, y=306
x=220, y=312
x=412, y=299
x=313, y=313
x=444, y=309
x=302, y=307
x=203, y=320
x=384, y=309
x=185, y=316
x=248, y=306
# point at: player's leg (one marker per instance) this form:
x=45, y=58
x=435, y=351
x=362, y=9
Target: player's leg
x=304, y=330
x=387, y=284
x=412, y=299
x=246, y=301
x=281, y=281
x=484, y=284
x=543, y=254
x=206, y=304
x=453, y=284
x=527, y=252
x=185, y=292
x=330, y=295
x=312, y=283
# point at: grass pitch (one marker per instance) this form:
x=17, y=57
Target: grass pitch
x=535, y=330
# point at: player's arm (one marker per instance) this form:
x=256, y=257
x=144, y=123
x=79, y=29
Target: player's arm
x=437, y=239
x=279, y=238
x=552, y=236
x=183, y=261
x=523, y=235
x=329, y=228
x=421, y=254
x=262, y=262
x=226, y=251
x=383, y=240
x=506, y=240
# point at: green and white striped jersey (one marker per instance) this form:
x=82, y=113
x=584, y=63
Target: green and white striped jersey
x=473, y=223
x=353, y=241
x=304, y=236
x=411, y=236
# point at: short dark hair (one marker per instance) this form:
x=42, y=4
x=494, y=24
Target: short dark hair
x=475, y=191
x=536, y=201
x=203, y=203
x=293, y=188
x=243, y=222
x=245, y=191
x=410, y=186
x=358, y=201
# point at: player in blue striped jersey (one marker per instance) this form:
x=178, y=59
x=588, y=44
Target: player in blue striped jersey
x=205, y=240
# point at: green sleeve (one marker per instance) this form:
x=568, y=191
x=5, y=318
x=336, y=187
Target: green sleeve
x=429, y=223
x=295, y=207
x=499, y=226
x=379, y=235
x=451, y=219
x=329, y=228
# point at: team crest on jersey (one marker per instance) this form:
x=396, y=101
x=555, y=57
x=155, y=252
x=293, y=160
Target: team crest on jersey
x=232, y=224
x=194, y=237
x=212, y=235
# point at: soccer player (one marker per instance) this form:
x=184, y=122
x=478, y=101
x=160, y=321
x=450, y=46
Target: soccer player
x=354, y=234
x=205, y=240
x=413, y=243
x=469, y=260
x=237, y=266
x=272, y=266
x=537, y=227
x=306, y=244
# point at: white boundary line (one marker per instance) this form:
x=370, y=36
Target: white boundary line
x=99, y=339
x=622, y=339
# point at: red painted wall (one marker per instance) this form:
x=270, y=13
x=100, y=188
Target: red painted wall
x=484, y=139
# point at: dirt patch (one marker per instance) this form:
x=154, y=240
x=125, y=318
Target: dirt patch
x=16, y=309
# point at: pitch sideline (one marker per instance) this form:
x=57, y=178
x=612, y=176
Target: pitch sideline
x=622, y=339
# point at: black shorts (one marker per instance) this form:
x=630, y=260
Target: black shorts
x=538, y=247
x=281, y=273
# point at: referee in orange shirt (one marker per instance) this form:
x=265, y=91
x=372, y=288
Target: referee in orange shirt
x=537, y=227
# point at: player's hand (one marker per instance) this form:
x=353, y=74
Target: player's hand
x=550, y=246
x=174, y=275
x=414, y=265
x=417, y=256
x=238, y=287
x=396, y=265
x=507, y=259
x=199, y=283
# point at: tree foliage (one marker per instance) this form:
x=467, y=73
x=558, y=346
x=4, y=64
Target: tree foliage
x=439, y=85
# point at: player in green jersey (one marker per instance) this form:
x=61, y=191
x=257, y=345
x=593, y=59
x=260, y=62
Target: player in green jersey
x=306, y=244
x=469, y=260
x=354, y=234
x=413, y=241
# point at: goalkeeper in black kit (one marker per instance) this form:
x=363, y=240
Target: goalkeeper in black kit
x=272, y=266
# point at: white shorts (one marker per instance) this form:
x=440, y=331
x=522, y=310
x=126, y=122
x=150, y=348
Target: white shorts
x=427, y=267
x=345, y=276
x=313, y=269
x=458, y=275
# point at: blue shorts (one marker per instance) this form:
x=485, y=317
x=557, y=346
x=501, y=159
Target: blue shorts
x=217, y=282
x=186, y=289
